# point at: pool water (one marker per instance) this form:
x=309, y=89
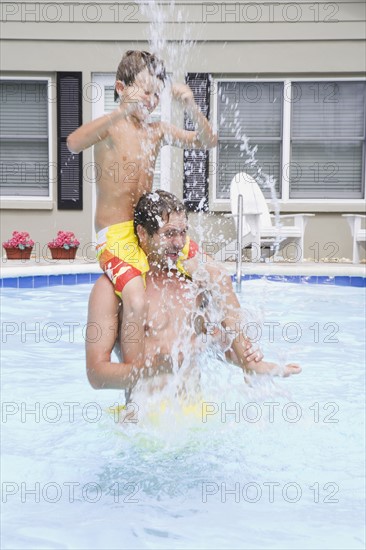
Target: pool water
x=279, y=464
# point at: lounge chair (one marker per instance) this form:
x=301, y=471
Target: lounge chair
x=258, y=230
x=358, y=234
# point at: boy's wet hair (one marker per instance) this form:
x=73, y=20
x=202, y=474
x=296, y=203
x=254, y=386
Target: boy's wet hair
x=135, y=61
x=154, y=207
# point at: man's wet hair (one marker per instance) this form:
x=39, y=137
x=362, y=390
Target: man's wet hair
x=135, y=61
x=154, y=207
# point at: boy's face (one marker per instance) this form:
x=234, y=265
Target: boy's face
x=145, y=91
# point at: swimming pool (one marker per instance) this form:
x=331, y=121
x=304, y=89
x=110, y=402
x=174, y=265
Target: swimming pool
x=278, y=465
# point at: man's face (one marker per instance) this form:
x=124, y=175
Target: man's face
x=145, y=91
x=164, y=247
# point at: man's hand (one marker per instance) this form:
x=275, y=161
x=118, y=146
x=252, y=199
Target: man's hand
x=183, y=94
x=252, y=354
x=289, y=370
x=265, y=367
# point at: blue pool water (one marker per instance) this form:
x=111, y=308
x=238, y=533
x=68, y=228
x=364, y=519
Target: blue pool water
x=284, y=470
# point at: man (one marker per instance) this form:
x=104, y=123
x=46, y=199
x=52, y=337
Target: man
x=175, y=304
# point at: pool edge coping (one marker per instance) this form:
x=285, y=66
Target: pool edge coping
x=71, y=272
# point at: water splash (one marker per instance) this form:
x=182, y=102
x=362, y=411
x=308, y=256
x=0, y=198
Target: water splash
x=174, y=52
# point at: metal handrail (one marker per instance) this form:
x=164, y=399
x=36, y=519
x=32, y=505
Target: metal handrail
x=240, y=243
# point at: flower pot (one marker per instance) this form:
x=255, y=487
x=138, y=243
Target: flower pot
x=18, y=253
x=63, y=253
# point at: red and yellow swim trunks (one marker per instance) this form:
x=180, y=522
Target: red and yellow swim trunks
x=122, y=259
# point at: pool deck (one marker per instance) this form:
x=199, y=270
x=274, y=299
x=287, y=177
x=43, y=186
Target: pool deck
x=33, y=268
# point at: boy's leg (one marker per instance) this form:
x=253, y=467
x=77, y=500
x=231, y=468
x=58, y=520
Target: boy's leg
x=132, y=335
x=124, y=262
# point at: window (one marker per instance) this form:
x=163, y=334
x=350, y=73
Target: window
x=327, y=140
x=310, y=136
x=24, y=138
x=252, y=110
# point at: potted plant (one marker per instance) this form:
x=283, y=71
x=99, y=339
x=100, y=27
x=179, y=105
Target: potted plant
x=64, y=246
x=19, y=247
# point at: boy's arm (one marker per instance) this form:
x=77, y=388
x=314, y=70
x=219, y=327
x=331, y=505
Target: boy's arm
x=202, y=138
x=97, y=130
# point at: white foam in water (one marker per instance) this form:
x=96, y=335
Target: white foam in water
x=171, y=480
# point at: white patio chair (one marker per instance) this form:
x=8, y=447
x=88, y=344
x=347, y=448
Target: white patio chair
x=358, y=234
x=258, y=229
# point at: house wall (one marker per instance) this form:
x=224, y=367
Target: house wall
x=234, y=39
x=327, y=236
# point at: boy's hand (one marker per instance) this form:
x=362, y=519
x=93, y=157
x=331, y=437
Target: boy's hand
x=183, y=94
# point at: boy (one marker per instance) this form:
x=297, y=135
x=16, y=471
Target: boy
x=126, y=146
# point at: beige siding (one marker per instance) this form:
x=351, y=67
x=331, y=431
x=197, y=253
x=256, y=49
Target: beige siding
x=326, y=236
x=234, y=39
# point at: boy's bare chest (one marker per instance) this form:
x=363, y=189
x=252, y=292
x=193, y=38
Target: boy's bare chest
x=126, y=164
x=139, y=146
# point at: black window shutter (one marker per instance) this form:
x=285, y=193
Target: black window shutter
x=69, y=166
x=195, y=164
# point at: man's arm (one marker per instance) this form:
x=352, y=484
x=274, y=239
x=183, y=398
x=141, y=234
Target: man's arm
x=242, y=352
x=202, y=138
x=239, y=355
x=101, y=335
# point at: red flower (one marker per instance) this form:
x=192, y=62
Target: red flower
x=64, y=239
x=19, y=240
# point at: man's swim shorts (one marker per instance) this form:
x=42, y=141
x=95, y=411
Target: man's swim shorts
x=122, y=259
